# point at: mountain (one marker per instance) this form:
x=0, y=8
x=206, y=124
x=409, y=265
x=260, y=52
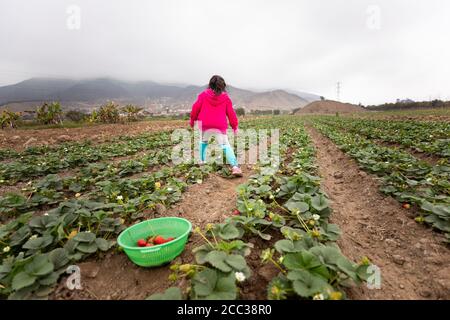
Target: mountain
x=89, y=93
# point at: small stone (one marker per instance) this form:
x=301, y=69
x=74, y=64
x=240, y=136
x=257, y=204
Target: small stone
x=90, y=270
x=423, y=240
x=15, y=138
x=338, y=175
x=401, y=286
x=29, y=142
x=362, y=174
x=390, y=242
x=63, y=138
x=425, y=293
x=398, y=259
x=160, y=208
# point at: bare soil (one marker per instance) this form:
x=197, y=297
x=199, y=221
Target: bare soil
x=414, y=261
x=17, y=139
x=329, y=107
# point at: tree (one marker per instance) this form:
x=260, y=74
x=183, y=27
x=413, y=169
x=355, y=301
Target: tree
x=49, y=113
x=108, y=113
x=75, y=116
x=322, y=98
x=276, y=112
x=9, y=119
x=240, y=112
x=131, y=112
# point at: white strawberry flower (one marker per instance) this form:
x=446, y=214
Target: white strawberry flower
x=169, y=189
x=34, y=236
x=239, y=276
x=318, y=296
x=6, y=249
x=119, y=198
x=316, y=217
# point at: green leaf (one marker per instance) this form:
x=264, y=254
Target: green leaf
x=102, y=244
x=228, y=231
x=172, y=293
x=217, y=260
x=22, y=280
x=39, y=266
x=297, y=205
x=213, y=285
x=289, y=246
x=38, y=243
x=87, y=247
x=204, y=282
x=319, y=202
x=225, y=289
x=306, y=284
x=59, y=257
x=51, y=279
x=301, y=260
x=236, y=261
x=84, y=237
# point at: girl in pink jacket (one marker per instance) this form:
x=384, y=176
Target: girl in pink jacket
x=211, y=110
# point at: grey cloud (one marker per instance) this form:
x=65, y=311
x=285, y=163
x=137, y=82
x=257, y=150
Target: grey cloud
x=299, y=45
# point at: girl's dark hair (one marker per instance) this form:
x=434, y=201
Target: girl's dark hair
x=217, y=84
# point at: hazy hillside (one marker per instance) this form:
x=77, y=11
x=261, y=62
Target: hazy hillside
x=91, y=92
x=329, y=107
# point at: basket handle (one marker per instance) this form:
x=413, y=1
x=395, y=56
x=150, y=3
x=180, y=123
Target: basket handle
x=151, y=250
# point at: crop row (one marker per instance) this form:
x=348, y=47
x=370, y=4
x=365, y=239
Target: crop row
x=404, y=177
x=77, y=155
x=429, y=137
x=286, y=202
x=36, y=249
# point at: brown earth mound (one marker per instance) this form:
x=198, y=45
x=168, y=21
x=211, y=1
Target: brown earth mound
x=329, y=107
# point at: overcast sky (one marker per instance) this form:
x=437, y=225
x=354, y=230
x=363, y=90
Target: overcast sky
x=378, y=50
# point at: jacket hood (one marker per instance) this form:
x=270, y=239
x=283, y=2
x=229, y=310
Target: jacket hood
x=215, y=99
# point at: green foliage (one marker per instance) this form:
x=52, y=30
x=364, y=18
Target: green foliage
x=49, y=113
x=132, y=112
x=240, y=112
x=9, y=119
x=107, y=113
x=76, y=116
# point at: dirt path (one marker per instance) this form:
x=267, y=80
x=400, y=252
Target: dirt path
x=115, y=277
x=413, y=261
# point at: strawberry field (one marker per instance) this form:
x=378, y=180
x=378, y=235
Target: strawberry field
x=275, y=233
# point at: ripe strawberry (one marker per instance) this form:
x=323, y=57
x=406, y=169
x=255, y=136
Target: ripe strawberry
x=159, y=240
x=141, y=243
x=406, y=205
x=149, y=245
x=169, y=239
x=236, y=212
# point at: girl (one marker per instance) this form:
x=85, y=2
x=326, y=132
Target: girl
x=211, y=110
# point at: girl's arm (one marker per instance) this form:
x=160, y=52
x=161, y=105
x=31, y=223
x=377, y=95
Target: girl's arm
x=196, y=107
x=232, y=117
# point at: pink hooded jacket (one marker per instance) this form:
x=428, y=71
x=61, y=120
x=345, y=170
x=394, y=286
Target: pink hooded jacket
x=212, y=110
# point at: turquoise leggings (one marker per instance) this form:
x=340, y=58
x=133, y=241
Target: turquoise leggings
x=229, y=153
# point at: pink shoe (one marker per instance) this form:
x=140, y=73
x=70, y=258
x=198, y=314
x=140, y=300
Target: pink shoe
x=236, y=171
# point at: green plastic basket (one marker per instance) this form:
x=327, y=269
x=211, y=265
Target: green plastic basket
x=159, y=254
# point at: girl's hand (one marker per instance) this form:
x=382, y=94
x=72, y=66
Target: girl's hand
x=235, y=132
